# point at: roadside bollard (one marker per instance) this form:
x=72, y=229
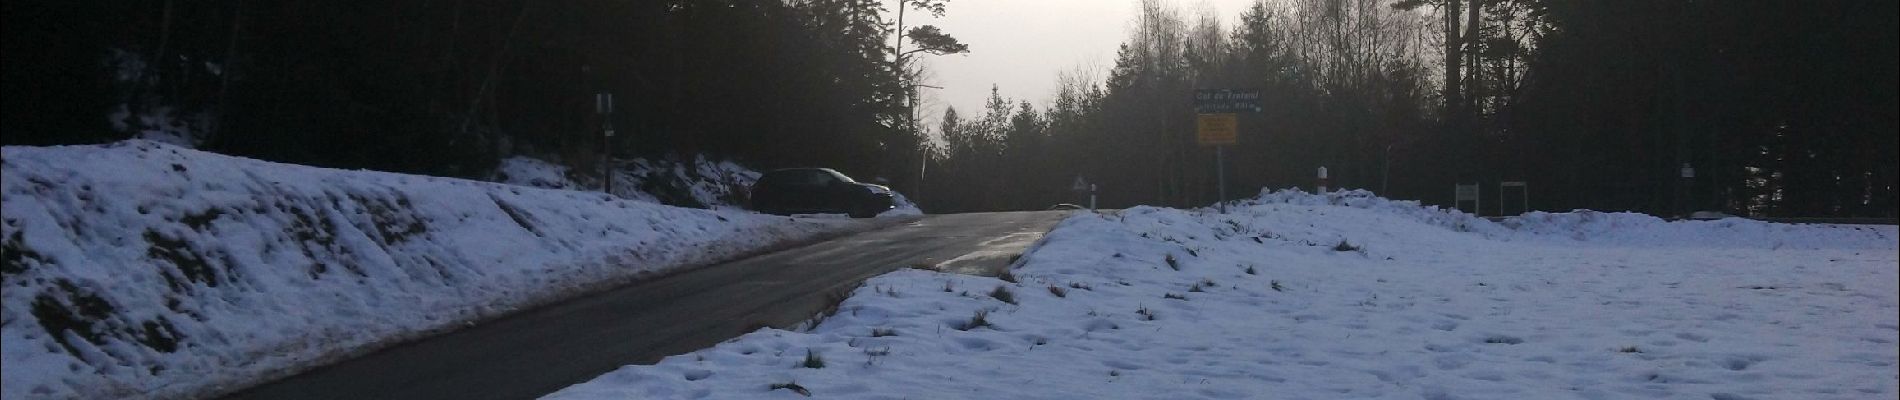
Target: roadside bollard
x=1322, y=181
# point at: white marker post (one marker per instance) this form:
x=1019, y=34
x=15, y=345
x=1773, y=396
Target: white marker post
x=1220, y=175
x=604, y=106
x=1322, y=180
x=1083, y=185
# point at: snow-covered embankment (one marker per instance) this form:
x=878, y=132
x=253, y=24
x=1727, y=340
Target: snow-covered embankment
x=1347, y=296
x=145, y=270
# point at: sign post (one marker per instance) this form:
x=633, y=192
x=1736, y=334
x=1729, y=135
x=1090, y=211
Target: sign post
x=1524, y=201
x=1218, y=126
x=1462, y=193
x=1218, y=130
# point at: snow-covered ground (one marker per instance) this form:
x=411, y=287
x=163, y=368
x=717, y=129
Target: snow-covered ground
x=903, y=207
x=699, y=183
x=1298, y=296
x=145, y=270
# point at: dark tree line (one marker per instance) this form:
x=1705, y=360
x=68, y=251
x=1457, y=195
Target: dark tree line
x=448, y=86
x=1782, y=108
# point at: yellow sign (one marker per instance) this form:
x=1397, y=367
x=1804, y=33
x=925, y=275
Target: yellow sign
x=1217, y=129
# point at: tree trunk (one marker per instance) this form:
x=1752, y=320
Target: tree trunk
x=164, y=41
x=1454, y=57
x=485, y=91
x=224, y=76
x=1471, y=40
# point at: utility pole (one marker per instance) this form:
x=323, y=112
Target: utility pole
x=1220, y=176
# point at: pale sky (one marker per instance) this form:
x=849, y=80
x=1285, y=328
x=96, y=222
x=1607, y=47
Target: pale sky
x=1021, y=45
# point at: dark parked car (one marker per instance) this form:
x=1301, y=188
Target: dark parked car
x=817, y=191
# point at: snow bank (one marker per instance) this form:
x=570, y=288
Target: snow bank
x=698, y=183
x=701, y=183
x=1409, y=210
x=141, y=269
x=1592, y=227
x=1634, y=229
x=1295, y=295
x=535, y=172
x=903, y=207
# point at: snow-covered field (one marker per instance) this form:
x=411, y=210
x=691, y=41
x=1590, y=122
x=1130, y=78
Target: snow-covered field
x=145, y=270
x=1297, y=296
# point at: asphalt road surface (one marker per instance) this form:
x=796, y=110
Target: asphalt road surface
x=543, y=350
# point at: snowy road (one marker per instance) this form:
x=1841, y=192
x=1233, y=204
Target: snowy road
x=544, y=350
